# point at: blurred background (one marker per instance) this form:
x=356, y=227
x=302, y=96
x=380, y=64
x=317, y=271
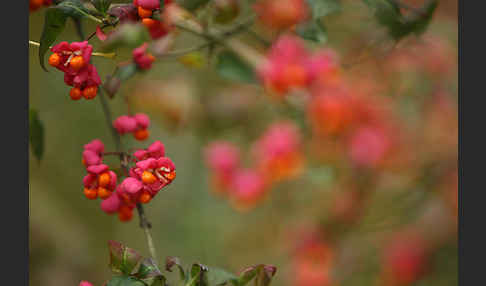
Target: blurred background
x=393, y=224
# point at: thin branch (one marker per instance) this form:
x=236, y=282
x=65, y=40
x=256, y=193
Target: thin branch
x=108, y=118
x=144, y=223
x=259, y=38
x=181, y=52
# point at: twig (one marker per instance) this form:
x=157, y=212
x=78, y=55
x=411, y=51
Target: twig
x=144, y=223
x=259, y=38
x=181, y=52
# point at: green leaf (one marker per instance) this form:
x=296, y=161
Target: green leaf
x=388, y=14
x=122, y=73
x=127, y=71
x=198, y=275
x=230, y=66
x=127, y=35
x=262, y=274
x=101, y=5
x=125, y=281
x=321, y=8
x=247, y=275
x=156, y=281
x=217, y=276
x=418, y=22
x=122, y=259
x=36, y=134
x=312, y=30
x=148, y=268
x=73, y=8
x=170, y=262
x=265, y=274
x=79, y=27
x=55, y=20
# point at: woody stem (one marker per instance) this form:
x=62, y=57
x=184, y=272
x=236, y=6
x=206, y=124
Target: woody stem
x=144, y=222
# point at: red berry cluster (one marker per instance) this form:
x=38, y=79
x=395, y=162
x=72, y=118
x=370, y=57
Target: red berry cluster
x=357, y=122
x=74, y=60
x=277, y=157
x=143, y=59
x=291, y=66
x=152, y=172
